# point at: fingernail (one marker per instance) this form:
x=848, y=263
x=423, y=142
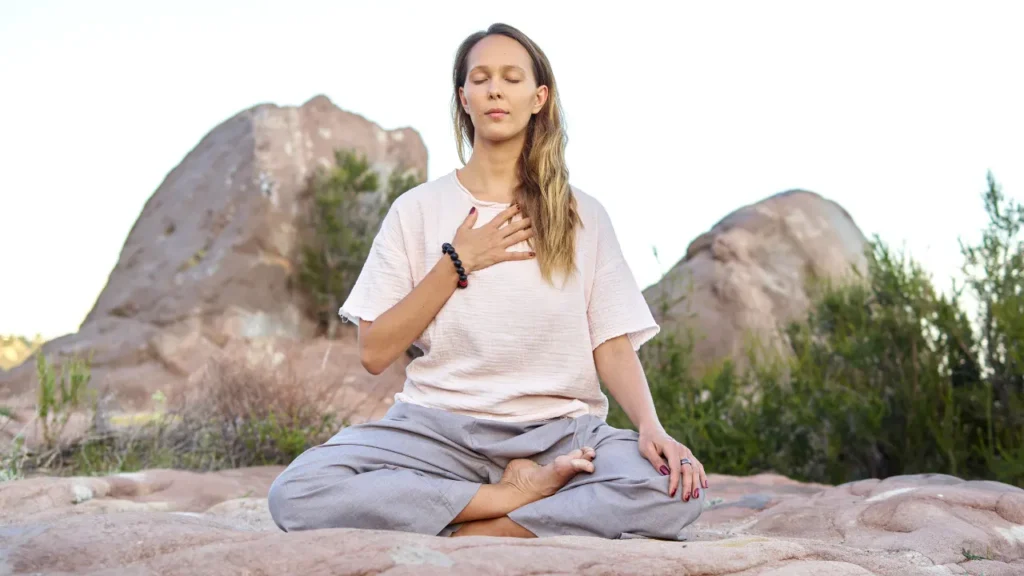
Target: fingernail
x=696, y=492
x=473, y=209
x=672, y=493
x=534, y=254
x=686, y=498
x=663, y=470
x=705, y=484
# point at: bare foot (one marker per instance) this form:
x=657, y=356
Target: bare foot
x=535, y=481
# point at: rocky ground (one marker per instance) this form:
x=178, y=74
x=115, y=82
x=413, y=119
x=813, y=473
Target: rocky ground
x=175, y=522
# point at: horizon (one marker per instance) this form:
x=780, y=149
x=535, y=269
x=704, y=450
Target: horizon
x=896, y=113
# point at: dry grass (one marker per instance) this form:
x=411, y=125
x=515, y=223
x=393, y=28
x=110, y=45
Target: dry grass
x=242, y=409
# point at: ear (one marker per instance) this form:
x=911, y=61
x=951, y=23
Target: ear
x=463, y=101
x=540, y=98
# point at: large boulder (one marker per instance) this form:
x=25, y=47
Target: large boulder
x=743, y=281
x=211, y=259
x=177, y=522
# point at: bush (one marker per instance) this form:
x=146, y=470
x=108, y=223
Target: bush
x=240, y=412
x=345, y=213
x=887, y=376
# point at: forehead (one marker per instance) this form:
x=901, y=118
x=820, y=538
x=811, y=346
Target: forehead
x=497, y=52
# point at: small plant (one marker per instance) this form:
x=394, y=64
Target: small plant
x=59, y=395
x=13, y=461
x=968, y=555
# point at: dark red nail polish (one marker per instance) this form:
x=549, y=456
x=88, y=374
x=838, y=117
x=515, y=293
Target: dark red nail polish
x=696, y=493
x=686, y=498
x=473, y=209
x=672, y=493
x=663, y=470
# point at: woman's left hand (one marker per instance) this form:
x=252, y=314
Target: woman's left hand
x=666, y=455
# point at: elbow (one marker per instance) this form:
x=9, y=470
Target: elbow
x=372, y=362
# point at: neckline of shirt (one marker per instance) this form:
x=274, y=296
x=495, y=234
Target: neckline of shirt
x=474, y=199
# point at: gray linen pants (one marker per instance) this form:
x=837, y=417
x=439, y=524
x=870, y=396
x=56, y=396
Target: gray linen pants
x=417, y=468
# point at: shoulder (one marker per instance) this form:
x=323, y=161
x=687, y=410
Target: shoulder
x=422, y=197
x=592, y=212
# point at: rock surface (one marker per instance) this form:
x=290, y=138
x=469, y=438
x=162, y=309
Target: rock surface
x=746, y=278
x=208, y=262
x=174, y=522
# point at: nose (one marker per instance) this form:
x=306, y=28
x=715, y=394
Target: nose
x=494, y=90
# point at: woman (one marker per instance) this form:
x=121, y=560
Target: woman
x=514, y=286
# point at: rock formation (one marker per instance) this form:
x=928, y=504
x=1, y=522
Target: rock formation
x=741, y=282
x=175, y=522
x=210, y=259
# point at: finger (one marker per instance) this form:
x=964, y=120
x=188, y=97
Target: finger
x=701, y=476
x=517, y=226
x=521, y=236
x=651, y=453
x=505, y=215
x=671, y=452
x=687, y=470
x=589, y=453
x=470, y=219
x=517, y=255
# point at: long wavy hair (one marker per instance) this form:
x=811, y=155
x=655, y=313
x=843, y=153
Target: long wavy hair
x=543, y=193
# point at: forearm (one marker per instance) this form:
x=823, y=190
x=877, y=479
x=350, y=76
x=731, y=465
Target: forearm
x=390, y=335
x=621, y=372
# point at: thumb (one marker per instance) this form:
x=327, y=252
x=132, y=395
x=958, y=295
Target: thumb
x=470, y=220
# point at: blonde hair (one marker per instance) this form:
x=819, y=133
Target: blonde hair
x=543, y=194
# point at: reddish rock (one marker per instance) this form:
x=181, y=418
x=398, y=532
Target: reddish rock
x=211, y=258
x=173, y=522
x=745, y=279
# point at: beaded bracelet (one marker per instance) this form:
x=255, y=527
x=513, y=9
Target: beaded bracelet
x=448, y=249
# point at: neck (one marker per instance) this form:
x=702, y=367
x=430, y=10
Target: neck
x=491, y=173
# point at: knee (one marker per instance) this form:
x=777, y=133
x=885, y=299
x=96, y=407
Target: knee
x=308, y=496
x=294, y=499
x=683, y=514
x=669, y=517
x=282, y=504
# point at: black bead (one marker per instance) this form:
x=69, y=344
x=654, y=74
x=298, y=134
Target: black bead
x=462, y=276
x=454, y=255
x=446, y=248
x=460, y=270
x=457, y=262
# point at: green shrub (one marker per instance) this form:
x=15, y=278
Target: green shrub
x=345, y=212
x=59, y=395
x=887, y=376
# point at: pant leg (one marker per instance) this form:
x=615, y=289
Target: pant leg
x=404, y=472
x=624, y=496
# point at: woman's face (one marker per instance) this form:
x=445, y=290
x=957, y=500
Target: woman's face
x=500, y=93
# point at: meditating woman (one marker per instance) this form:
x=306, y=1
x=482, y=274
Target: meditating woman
x=513, y=285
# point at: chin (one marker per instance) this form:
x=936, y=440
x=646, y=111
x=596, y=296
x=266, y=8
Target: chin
x=500, y=134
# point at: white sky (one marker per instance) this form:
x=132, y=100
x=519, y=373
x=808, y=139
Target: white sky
x=678, y=113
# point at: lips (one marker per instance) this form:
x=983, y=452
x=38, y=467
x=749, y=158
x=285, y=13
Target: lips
x=497, y=113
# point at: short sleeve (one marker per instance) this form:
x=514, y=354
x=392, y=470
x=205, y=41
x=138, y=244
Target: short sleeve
x=386, y=276
x=617, y=304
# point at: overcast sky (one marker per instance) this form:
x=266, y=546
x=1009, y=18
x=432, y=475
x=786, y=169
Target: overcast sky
x=678, y=113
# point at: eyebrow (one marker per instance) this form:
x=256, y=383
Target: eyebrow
x=503, y=68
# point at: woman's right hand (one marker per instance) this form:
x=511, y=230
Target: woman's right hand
x=487, y=245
